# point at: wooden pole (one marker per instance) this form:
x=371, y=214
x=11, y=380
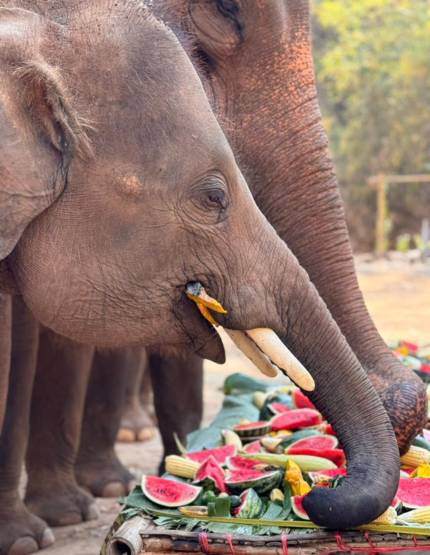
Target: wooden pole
x=381, y=215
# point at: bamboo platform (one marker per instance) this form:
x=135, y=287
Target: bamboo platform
x=139, y=536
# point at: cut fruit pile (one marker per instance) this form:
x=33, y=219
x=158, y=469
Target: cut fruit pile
x=264, y=469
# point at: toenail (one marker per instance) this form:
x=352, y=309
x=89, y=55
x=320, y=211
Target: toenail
x=114, y=489
x=92, y=513
x=145, y=434
x=126, y=435
x=24, y=546
x=47, y=538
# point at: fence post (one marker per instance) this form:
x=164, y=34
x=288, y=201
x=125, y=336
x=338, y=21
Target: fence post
x=381, y=215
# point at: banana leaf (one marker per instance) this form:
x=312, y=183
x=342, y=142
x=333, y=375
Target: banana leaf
x=234, y=409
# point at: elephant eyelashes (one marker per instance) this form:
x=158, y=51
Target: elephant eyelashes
x=210, y=198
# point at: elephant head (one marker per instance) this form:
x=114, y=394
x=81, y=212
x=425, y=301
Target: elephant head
x=118, y=188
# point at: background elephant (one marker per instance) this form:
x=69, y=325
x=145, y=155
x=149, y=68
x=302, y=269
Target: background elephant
x=83, y=276
x=258, y=60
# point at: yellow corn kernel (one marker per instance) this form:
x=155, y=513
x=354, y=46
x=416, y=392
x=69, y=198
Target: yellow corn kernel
x=417, y=516
x=423, y=471
x=389, y=517
x=195, y=510
x=231, y=438
x=180, y=466
x=415, y=457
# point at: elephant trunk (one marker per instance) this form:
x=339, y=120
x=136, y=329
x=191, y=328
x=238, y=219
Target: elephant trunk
x=343, y=393
x=345, y=396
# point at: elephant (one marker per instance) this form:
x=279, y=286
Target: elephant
x=256, y=58
x=116, y=192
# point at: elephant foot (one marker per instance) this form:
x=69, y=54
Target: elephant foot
x=61, y=504
x=104, y=477
x=404, y=396
x=22, y=532
x=136, y=425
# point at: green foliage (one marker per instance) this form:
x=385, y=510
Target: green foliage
x=373, y=72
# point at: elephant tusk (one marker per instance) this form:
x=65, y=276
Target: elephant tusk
x=249, y=348
x=267, y=340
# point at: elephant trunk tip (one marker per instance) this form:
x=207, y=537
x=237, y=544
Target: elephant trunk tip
x=346, y=507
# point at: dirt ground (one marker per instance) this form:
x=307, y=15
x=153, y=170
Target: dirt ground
x=397, y=295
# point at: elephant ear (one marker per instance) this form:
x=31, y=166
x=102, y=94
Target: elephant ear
x=39, y=132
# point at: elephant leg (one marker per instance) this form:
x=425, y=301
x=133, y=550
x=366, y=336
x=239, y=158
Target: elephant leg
x=97, y=467
x=5, y=351
x=146, y=394
x=63, y=368
x=177, y=381
x=21, y=532
x=136, y=424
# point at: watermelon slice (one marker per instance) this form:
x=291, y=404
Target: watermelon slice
x=414, y=492
x=407, y=470
x=253, y=429
x=253, y=447
x=169, y=493
x=262, y=482
x=297, y=506
x=323, y=475
x=301, y=401
x=211, y=476
x=220, y=454
x=278, y=408
x=316, y=442
x=395, y=503
x=426, y=434
x=240, y=463
x=250, y=506
x=335, y=455
x=295, y=419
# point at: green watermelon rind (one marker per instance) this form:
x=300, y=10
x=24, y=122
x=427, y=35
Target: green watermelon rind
x=261, y=484
x=196, y=490
x=251, y=506
x=259, y=429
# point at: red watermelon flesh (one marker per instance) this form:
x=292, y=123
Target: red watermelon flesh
x=252, y=448
x=296, y=419
x=297, y=506
x=236, y=474
x=301, y=401
x=414, y=492
x=169, y=493
x=211, y=469
x=220, y=454
x=329, y=430
x=278, y=408
x=327, y=474
x=240, y=463
x=407, y=470
x=335, y=455
x=316, y=442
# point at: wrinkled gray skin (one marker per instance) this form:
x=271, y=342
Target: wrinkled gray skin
x=116, y=191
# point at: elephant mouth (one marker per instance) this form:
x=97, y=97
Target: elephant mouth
x=262, y=346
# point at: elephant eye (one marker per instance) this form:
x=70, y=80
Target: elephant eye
x=217, y=198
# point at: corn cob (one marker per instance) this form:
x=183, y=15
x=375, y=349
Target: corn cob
x=180, y=466
x=231, y=438
x=259, y=399
x=389, y=517
x=195, y=510
x=415, y=456
x=417, y=516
